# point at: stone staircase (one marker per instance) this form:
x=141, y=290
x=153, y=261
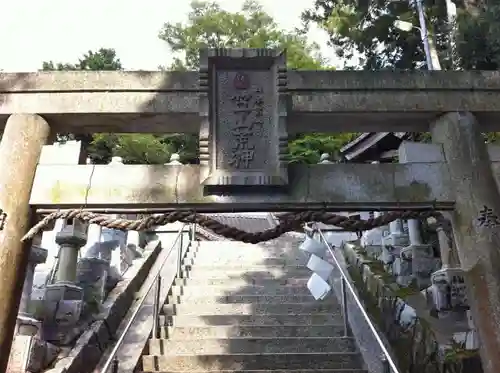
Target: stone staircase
x=241, y=307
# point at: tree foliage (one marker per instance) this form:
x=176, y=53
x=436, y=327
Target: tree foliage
x=364, y=36
x=309, y=147
x=133, y=148
x=103, y=59
x=210, y=26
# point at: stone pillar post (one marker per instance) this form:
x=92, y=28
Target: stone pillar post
x=418, y=256
x=134, y=244
x=111, y=250
x=26, y=322
x=372, y=240
x=414, y=232
x=38, y=255
x=384, y=230
x=448, y=284
x=476, y=224
x=63, y=300
x=68, y=258
x=325, y=159
x=392, y=245
x=175, y=160
x=90, y=250
x=116, y=161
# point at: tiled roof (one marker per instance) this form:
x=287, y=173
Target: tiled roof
x=371, y=146
x=250, y=222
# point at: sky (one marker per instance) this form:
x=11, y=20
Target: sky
x=34, y=31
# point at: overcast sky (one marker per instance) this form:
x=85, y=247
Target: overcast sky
x=34, y=31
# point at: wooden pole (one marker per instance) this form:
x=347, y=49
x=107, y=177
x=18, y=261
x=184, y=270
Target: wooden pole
x=476, y=225
x=20, y=148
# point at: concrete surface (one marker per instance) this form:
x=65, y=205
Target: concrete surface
x=321, y=101
x=340, y=184
x=217, y=322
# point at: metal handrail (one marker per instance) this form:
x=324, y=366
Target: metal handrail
x=346, y=283
x=156, y=280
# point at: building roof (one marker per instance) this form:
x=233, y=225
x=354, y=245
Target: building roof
x=248, y=222
x=373, y=146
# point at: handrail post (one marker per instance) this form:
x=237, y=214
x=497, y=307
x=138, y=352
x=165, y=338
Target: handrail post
x=156, y=308
x=386, y=368
x=116, y=365
x=179, y=256
x=344, y=306
x=193, y=233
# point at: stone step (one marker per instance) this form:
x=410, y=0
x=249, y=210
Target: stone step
x=245, y=267
x=234, y=254
x=264, y=272
x=233, y=361
x=230, y=249
x=229, y=244
x=266, y=371
x=251, y=309
x=251, y=320
x=244, y=261
x=257, y=251
x=229, y=299
x=238, y=331
x=240, y=290
x=250, y=346
x=237, y=283
x=236, y=246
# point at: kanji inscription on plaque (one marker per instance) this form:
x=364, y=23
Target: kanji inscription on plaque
x=488, y=218
x=243, y=131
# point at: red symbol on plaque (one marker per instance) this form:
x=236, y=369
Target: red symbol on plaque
x=241, y=81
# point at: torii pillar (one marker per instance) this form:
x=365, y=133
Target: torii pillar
x=20, y=149
x=476, y=225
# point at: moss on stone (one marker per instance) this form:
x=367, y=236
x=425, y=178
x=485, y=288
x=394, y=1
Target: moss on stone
x=415, y=345
x=415, y=191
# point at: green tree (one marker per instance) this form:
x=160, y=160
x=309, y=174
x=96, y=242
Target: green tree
x=365, y=29
x=210, y=26
x=103, y=59
x=133, y=148
x=364, y=36
x=309, y=147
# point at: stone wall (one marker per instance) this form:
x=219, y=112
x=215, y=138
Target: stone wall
x=415, y=345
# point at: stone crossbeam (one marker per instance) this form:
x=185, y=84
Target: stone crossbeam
x=319, y=101
x=313, y=186
x=177, y=187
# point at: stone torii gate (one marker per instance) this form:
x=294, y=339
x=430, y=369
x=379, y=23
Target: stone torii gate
x=244, y=104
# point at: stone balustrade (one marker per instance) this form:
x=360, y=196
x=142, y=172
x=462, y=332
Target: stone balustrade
x=69, y=275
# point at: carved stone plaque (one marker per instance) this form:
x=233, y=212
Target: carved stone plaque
x=243, y=135
x=449, y=289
